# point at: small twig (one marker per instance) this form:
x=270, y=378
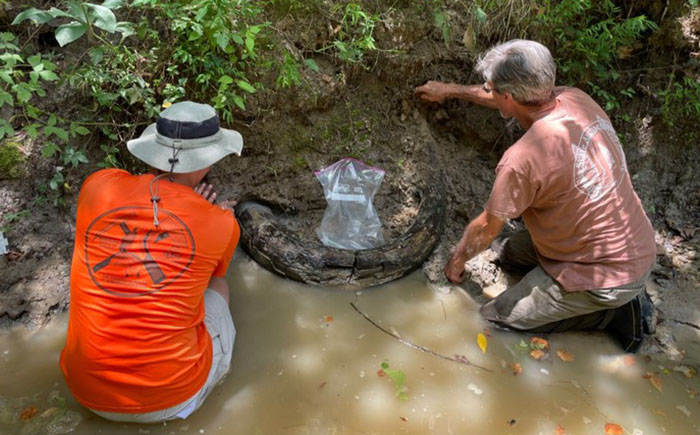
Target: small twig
x=457, y=358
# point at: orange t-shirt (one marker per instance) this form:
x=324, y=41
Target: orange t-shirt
x=136, y=337
x=567, y=177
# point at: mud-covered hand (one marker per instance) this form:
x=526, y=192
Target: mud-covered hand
x=207, y=192
x=434, y=92
x=454, y=269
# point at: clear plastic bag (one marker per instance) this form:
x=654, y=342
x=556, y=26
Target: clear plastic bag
x=350, y=220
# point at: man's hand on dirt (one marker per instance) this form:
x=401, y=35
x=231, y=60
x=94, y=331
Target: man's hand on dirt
x=432, y=91
x=454, y=270
x=207, y=192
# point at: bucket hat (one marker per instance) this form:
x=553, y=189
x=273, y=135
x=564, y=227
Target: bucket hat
x=185, y=138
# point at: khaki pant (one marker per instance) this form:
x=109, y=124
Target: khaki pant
x=538, y=303
x=217, y=319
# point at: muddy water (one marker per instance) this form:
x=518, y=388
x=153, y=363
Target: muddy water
x=305, y=362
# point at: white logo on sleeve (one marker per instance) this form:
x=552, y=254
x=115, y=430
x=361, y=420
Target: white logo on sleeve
x=599, y=162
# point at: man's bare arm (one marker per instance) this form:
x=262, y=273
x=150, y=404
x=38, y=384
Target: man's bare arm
x=219, y=285
x=436, y=92
x=478, y=235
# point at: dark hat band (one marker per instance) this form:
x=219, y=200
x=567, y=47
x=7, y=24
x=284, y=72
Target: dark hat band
x=187, y=129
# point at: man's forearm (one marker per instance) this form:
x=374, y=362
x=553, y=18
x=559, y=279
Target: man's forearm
x=475, y=239
x=472, y=93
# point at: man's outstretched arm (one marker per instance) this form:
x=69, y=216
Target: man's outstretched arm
x=436, y=92
x=478, y=235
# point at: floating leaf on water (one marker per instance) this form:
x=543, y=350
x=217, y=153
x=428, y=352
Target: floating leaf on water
x=517, y=368
x=564, y=355
x=27, y=413
x=587, y=420
x=655, y=380
x=539, y=343
x=613, y=429
x=537, y=354
x=559, y=430
x=511, y=422
x=482, y=342
x=688, y=372
x=684, y=410
x=399, y=380
x=328, y=318
x=523, y=344
x=403, y=418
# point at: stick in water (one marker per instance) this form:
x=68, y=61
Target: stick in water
x=461, y=359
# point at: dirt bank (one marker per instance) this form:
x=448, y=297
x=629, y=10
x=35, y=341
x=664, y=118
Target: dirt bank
x=371, y=114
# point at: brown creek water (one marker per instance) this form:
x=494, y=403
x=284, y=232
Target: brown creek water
x=305, y=362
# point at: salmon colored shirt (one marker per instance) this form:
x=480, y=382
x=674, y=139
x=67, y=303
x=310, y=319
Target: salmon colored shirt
x=136, y=337
x=567, y=177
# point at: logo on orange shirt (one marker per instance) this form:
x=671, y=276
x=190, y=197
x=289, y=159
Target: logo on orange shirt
x=127, y=256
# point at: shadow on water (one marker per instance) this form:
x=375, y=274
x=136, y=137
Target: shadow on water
x=306, y=363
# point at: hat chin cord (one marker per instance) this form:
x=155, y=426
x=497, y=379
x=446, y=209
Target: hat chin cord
x=154, y=196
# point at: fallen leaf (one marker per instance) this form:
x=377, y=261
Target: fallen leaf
x=537, y=354
x=659, y=412
x=613, y=429
x=688, y=372
x=380, y=373
x=684, y=410
x=403, y=418
x=13, y=255
x=28, y=413
x=539, y=343
x=166, y=104
x=516, y=367
x=655, y=380
x=323, y=384
x=629, y=360
x=487, y=332
x=560, y=430
x=511, y=422
x=482, y=341
x=564, y=355
x=328, y=319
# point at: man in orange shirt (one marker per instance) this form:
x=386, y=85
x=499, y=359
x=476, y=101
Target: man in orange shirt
x=150, y=331
x=589, y=245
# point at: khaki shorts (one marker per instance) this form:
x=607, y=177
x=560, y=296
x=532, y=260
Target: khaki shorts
x=217, y=319
x=538, y=300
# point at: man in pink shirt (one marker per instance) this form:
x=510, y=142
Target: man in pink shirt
x=589, y=246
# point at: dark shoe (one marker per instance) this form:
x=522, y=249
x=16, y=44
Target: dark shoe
x=626, y=325
x=648, y=314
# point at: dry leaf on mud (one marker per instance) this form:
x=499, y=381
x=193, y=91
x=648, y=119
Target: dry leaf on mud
x=537, y=354
x=559, y=430
x=655, y=380
x=28, y=413
x=516, y=367
x=564, y=355
x=482, y=342
x=539, y=343
x=613, y=429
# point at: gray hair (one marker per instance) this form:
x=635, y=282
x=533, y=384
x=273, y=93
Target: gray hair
x=523, y=68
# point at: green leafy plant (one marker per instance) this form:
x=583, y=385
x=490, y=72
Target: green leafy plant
x=354, y=36
x=12, y=218
x=213, y=50
x=83, y=18
x=589, y=36
x=681, y=100
x=20, y=79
